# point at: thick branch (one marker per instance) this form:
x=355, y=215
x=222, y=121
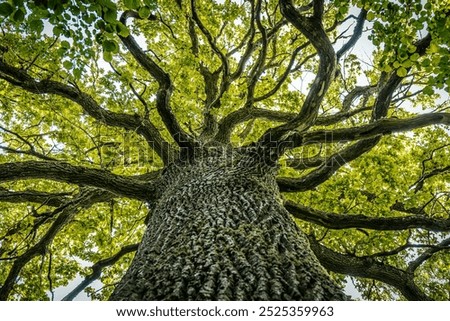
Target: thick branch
x=369, y=135
x=165, y=85
x=64, y=172
x=381, y=127
x=229, y=122
x=384, y=97
x=313, y=29
x=344, y=221
x=210, y=80
x=318, y=9
x=211, y=90
x=334, y=162
x=330, y=165
x=367, y=268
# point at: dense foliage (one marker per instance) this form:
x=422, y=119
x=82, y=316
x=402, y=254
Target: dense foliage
x=96, y=97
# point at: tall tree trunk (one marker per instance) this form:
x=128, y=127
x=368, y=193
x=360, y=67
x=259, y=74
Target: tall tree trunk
x=220, y=232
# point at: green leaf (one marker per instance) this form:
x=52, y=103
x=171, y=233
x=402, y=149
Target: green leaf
x=108, y=4
x=6, y=9
x=407, y=63
x=426, y=62
x=144, y=12
x=131, y=4
x=110, y=16
x=428, y=90
x=107, y=56
x=402, y=72
x=77, y=73
x=110, y=46
x=65, y=44
x=122, y=30
x=19, y=15
x=370, y=15
x=37, y=26
x=67, y=64
x=57, y=31
x=414, y=57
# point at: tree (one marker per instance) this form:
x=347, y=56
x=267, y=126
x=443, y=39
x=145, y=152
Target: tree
x=250, y=149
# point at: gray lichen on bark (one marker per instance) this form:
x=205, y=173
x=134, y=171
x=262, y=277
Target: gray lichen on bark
x=220, y=232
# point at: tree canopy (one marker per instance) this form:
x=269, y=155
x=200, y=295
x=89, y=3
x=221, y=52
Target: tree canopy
x=97, y=97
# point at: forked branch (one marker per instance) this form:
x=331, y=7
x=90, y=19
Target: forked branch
x=312, y=29
x=368, y=267
x=97, y=270
x=165, y=85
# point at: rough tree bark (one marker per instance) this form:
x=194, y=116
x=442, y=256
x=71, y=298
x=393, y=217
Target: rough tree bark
x=219, y=231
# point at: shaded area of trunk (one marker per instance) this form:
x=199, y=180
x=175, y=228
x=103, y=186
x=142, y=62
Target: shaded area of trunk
x=220, y=232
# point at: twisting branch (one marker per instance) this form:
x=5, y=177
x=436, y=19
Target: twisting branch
x=225, y=69
x=379, y=111
x=340, y=221
x=64, y=172
x=227, y=124
x=97, y=270
x=210, y=80
x=258, y=66
x=368, y=267
x=252, y=44
x=211, y=91
x=165, y=84
x=337, y=160
x=30, y=152
x=357, y=32
x=21, y=78
x=284, y=76
x=313, y=30
x=86, y=198
x=248, y=40
x=327, y=168
x=367, y=142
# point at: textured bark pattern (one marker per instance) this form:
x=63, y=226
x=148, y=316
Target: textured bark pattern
x=220, y=232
